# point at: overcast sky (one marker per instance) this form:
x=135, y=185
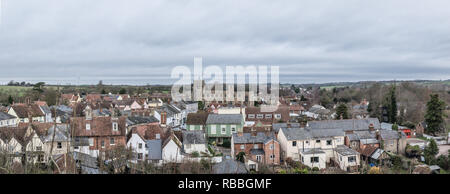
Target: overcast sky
x=138, y=42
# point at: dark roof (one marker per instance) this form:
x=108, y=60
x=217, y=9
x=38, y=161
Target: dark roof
x=346, y=124
x=196, y=118
x=154, y=149
x=6, y=116
x=224, y=119
x=257, y=152
x=388, y=134
x=194, y=137
x=134, y=120
x=230, y=166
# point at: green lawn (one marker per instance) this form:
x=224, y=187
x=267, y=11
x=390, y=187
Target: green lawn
x=14, y=90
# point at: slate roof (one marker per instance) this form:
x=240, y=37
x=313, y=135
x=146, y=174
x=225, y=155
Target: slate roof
x=345, y=151
x=304, y=134
x=389, y=134
x=360, y=135
x=169, y=109
x=6, y=116
x=134, y=120
x=260, y=137
x=154, y=149
x=230, y=166
x=224, y=119
x=194, y=137
x=62, y=133
x=369, y=141
x=257, y=152
x=197, y=118
x=346, y=124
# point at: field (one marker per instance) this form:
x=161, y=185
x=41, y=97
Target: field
x=14, y=90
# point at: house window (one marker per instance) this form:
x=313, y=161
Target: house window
x=91, y=141
x=255, y=146
x=224, y=130
x=352, y=159
x=294, y=143
x=328, y=142
x=59, y=146
x=242, y=147
x=340, y=158
x=251, y=116
x=258, y=158
x=307, y=142
x=268, y=116
x=88, y=126
x=318, y=141
x=259, y=116
x=146, y=146
x=158, y=136
x=115, y=127
x=38, y=148
x=111, y=141
x=303, y=161
x=278, y=116
x=139, y=156
x=271, y=147
x=252, y=166
x=213, y=129
x=103, y=144
x=140, y=145
x=314, y=159
x=272, y=156
x=233, y=129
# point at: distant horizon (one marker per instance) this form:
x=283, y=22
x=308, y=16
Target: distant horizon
x=129, y=82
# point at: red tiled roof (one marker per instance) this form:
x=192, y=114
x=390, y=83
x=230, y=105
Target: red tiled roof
x=100, y=126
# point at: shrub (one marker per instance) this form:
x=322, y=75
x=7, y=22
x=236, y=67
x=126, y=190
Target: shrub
x=195, y=154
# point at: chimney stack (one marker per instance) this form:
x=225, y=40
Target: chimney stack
x=371, y=127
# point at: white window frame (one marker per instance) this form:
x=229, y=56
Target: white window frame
x=260, y=116
x=242, y=147
x=91, y=141
x=251, y=116
x=213, y=129
x=115, y=126
x=113, y=142
x=88, y=126
x=223, y=129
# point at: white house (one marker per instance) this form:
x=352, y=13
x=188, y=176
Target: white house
x=171, y=150
x=194, y=141
x=295, y=141
x=138, y=144
x=7, y=120
x=347, y=158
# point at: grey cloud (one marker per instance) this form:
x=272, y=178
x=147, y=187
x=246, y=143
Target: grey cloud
x=311, y=41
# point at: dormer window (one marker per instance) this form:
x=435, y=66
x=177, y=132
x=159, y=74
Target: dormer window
x=88, y=126
x=115, y=126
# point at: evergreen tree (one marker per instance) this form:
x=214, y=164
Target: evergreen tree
x=10, y=99
x=122, y=91
x=342, y=111
x=434, y=117
x=393, y=106
x=302, y=98
x=430, y=152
